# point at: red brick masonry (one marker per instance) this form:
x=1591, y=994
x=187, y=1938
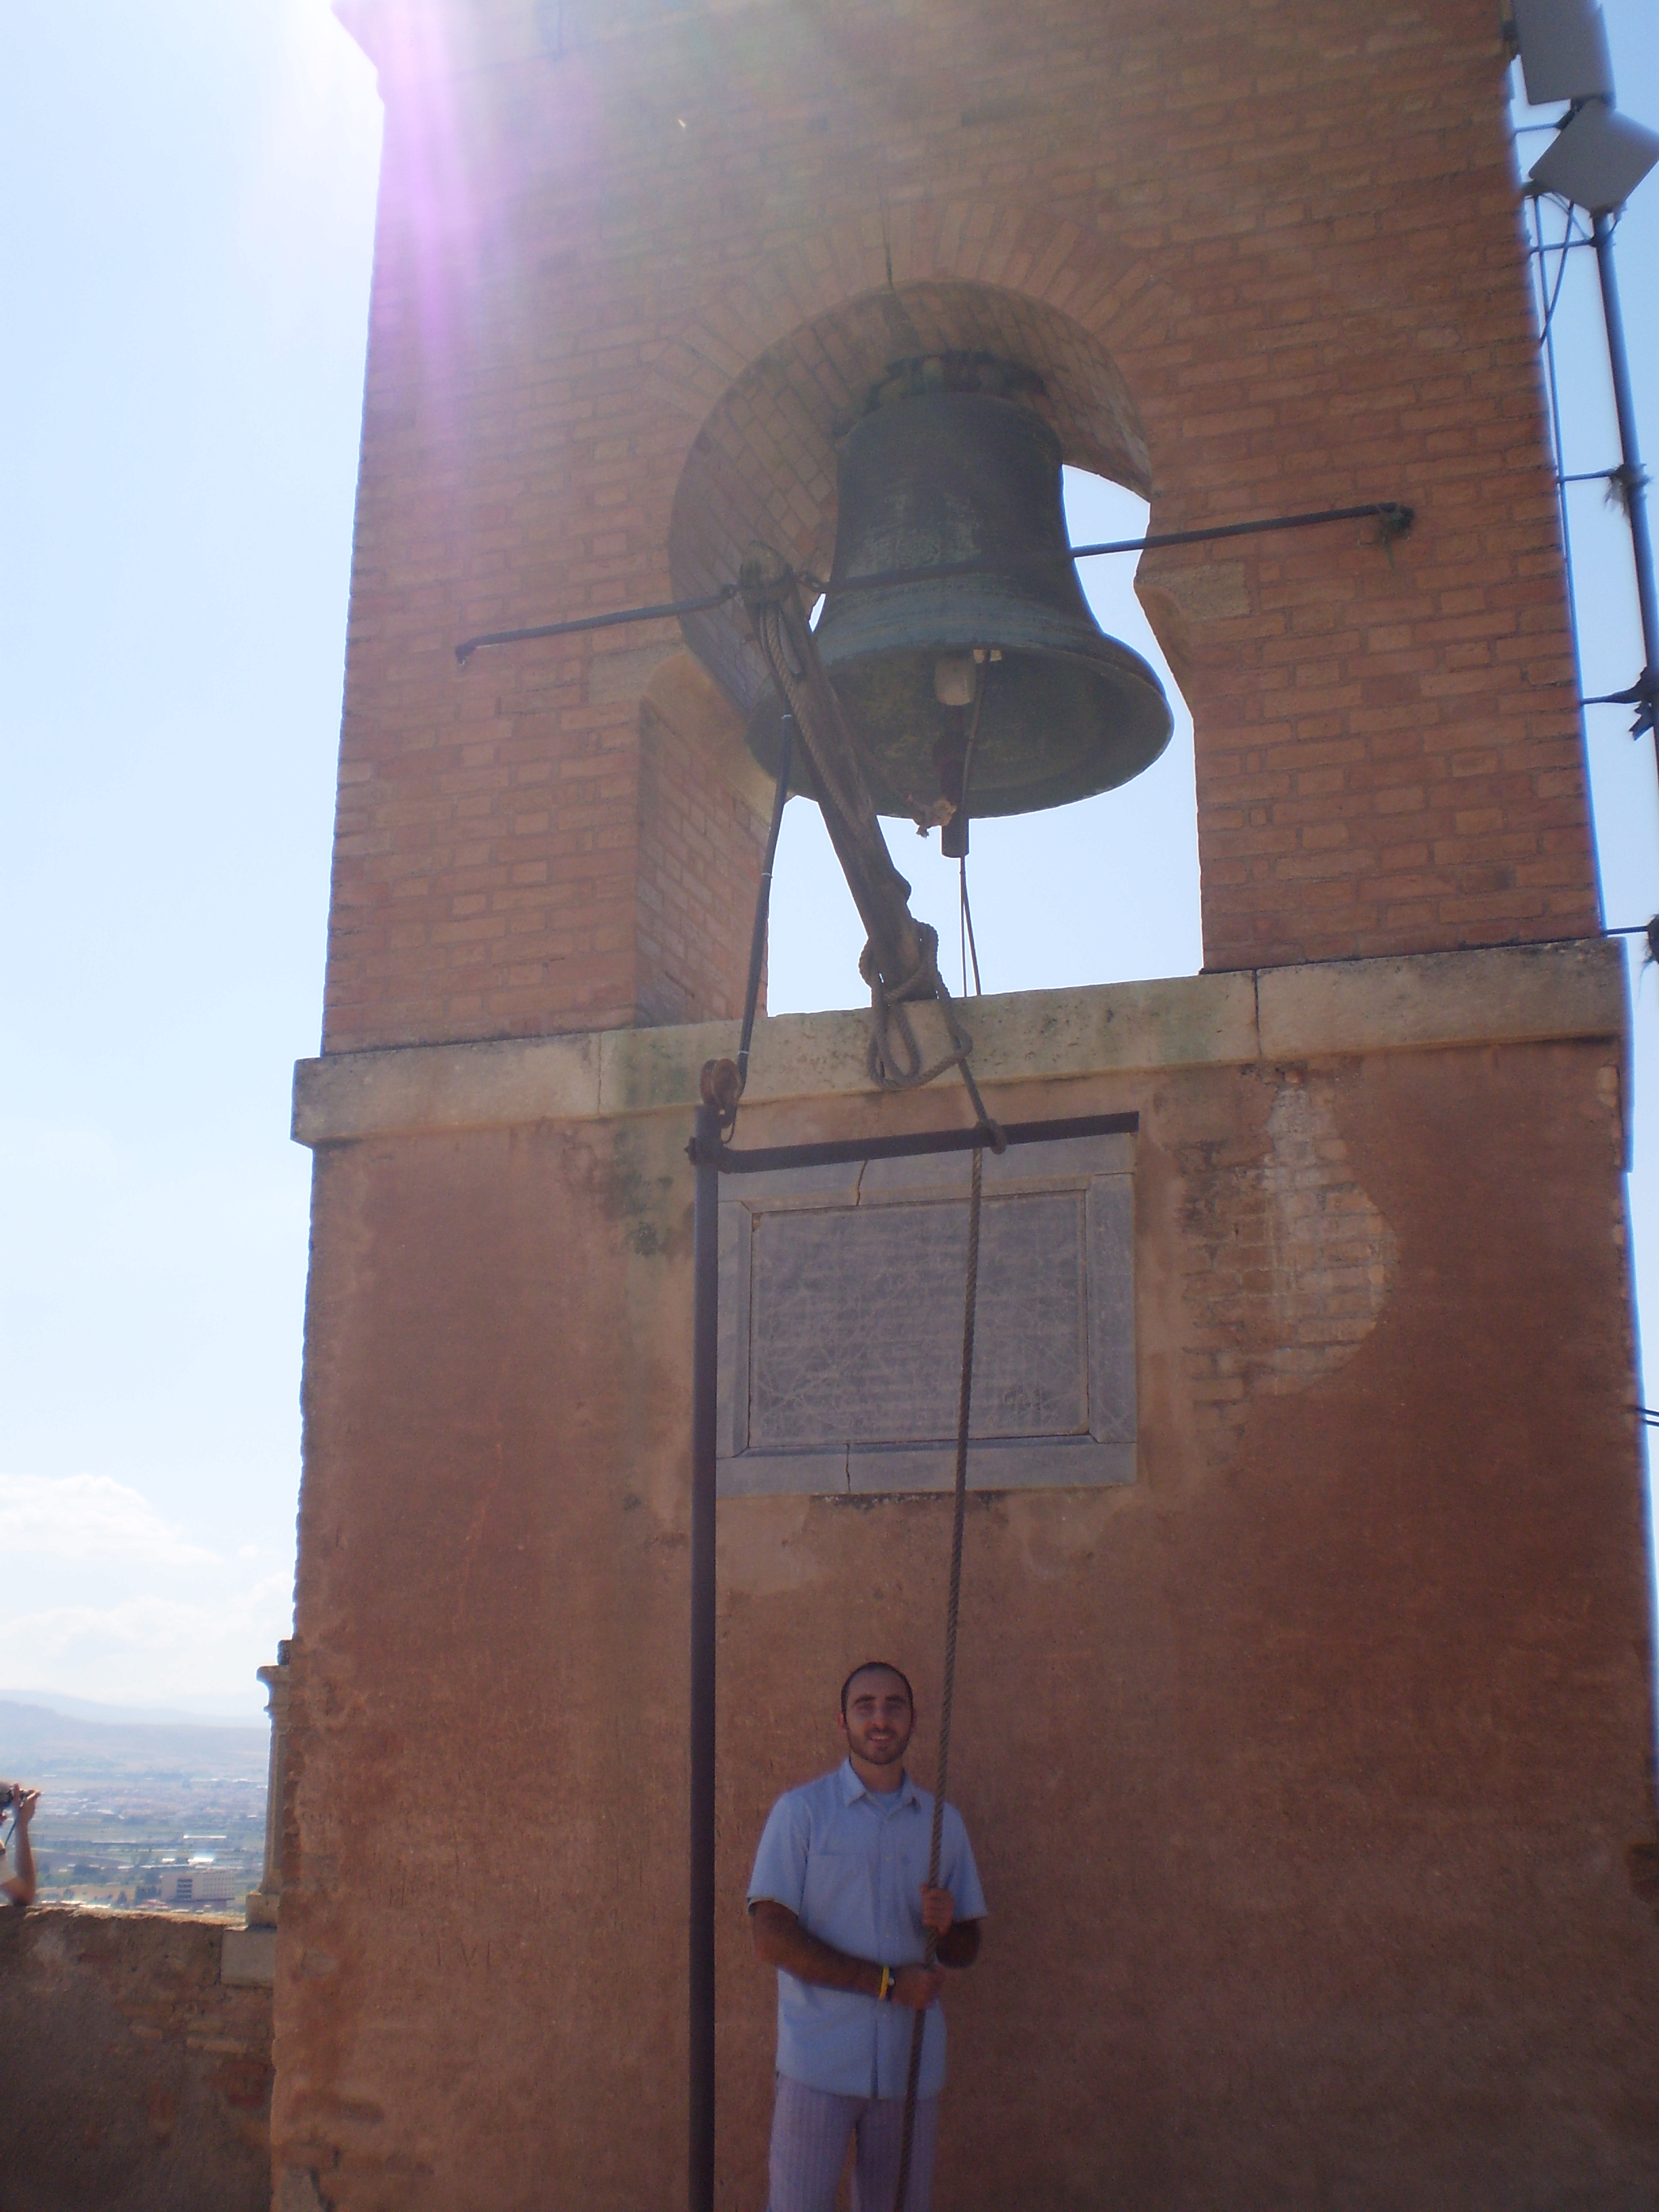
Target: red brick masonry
x=633, y=262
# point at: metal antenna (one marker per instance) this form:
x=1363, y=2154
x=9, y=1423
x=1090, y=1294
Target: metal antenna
x=1595, y=160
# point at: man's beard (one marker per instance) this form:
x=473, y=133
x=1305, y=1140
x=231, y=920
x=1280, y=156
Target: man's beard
x=885, y=1755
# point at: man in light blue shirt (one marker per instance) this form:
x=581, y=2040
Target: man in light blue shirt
x=840, y=1905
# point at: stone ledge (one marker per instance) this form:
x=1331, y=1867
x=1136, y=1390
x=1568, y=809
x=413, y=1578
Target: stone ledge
x=247, y=1956
x=1505, y=995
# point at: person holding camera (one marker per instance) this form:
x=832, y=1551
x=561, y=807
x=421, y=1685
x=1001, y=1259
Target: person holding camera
x=16, y=1856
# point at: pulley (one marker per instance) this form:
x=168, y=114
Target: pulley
x=1008, y=655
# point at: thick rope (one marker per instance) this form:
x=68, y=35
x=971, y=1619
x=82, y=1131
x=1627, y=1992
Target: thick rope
x=900, y=963
x=763, y=912
x=947, y=1699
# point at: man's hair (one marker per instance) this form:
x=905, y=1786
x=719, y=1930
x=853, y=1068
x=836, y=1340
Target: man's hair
x=876, y=1666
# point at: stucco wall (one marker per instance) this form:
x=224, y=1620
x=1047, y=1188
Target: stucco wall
x=133, y=2078
x=1305, y=1771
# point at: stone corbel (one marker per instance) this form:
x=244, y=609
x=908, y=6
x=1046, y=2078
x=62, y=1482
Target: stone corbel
x=262, y=1902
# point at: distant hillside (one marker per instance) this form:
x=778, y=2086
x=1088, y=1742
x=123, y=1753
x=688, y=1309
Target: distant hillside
x=245, y=1712
x=39, y=1745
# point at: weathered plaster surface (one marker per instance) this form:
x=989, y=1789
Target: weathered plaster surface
x=1309, y=1773
x=135, y=2073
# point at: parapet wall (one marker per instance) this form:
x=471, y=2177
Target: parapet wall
x=133, y=2075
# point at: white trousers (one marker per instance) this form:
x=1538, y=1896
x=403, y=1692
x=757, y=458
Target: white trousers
x=810, y=2132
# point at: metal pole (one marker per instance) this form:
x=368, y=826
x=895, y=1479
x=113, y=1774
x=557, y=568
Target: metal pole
x=705, y=1342
x=1635, y=482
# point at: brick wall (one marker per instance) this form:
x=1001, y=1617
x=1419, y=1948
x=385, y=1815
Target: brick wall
x=631, y=266
x=625, y=286
x=130, y=2075
x=699, y=837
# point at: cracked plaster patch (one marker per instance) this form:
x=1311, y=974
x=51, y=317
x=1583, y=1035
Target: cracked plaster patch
x=1301, y=1262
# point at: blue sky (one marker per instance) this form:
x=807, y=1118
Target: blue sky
x=189, y=187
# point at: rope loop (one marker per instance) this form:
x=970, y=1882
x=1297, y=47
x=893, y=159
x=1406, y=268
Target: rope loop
x=894, y=1058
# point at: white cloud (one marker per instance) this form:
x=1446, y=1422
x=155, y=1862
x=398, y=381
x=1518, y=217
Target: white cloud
x=125, y=1608
x=153, y=1650
x=162, y=1629
x=79, y=1518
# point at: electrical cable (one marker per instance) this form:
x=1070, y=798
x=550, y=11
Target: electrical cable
x=1547, y=340
x=1561, y=279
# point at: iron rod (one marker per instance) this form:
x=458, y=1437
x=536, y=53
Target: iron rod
x=705, y=1353
x=469, y=646
x=1397, y=517
x=841, y=1151
x=1634, y=480
x=1399, y=520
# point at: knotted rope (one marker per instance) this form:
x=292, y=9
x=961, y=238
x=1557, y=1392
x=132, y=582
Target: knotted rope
x=904, y=1068
x=947, y=1699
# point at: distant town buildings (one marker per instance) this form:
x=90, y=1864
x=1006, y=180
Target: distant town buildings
x=201, y=1885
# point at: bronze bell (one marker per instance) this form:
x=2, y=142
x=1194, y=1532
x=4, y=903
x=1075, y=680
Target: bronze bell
x=940, y=477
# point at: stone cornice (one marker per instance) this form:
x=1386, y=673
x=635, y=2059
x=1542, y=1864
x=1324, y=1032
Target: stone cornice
x=1508, y=995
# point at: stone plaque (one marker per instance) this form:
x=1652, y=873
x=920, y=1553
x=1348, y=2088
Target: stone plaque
x=841, y=1323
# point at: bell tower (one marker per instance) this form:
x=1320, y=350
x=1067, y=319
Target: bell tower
x=1306, y=1566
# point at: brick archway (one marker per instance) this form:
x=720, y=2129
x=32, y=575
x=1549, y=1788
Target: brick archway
x=762, y=462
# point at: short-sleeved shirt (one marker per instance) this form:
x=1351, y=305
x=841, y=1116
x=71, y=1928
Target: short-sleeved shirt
x=851, y=1873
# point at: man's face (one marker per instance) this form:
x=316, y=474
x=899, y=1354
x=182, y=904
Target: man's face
x=878, y=1720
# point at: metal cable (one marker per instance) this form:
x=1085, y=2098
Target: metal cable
x=1547, y=339
x=967, y=912
x=970, y=948
x=764, y=904
x=947, y=1698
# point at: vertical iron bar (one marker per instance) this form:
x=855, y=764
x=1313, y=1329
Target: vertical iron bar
x=700, y=2193
x=1636, y=493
